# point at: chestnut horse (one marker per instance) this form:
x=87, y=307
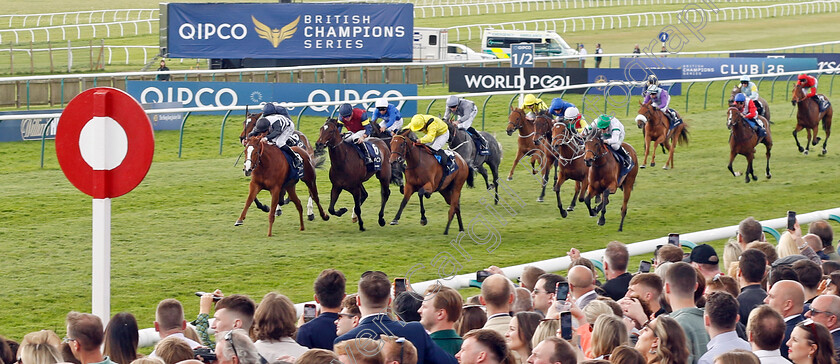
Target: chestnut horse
x=424, y=174
x=743, y=140
x=526, y=147
x=603, y=175
x=269, y=170
x=548, y=157
x=765, y=112
x=348, y=171
x=656, y=127
x=567, y=144
x=808, y=117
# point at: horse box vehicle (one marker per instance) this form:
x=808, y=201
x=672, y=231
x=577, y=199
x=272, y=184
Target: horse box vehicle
x=431, y=44
x=549, y=43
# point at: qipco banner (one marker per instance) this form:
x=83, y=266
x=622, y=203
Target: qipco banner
x=200, y=94
x=290, y=31
x=483, y=79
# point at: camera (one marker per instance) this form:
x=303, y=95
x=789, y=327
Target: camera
x=206, y=355
x=482, y=275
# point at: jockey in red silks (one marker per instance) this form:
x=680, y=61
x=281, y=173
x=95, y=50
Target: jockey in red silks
x=749, y=112
x=808, y=83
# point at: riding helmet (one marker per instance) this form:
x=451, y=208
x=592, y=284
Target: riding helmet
x=803, y=77
x=603, y=121
x=262, y=125
x=381, y=102
x=652, y=80
x=740, y=97
x=745, y=79
x=269, y=109
x=417, y=121
x=530, y=99
x=345, y=110
x=571, y=113
x=653, y=89
x=452, y=101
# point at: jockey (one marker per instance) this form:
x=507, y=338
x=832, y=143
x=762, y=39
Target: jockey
x=533, y=106
x=747, y=109
x=391, y=119
x=280, y=129
x=558, y=108
x=573, y=119
x=437, y=133
x=750, y=90
x=809, y=83
x=358, y=126
x=466, y=112
x=613, y=135
x=660, y=99
x=652, y=80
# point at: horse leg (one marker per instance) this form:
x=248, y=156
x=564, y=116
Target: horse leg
x=354, y=217
x=494, y=170
x=275, y=198
x=732, y=158
x=749, y=167
x=546, y=171
x=519, y=155
x=358, y=199
x=826, y=122
x=604, y=201
x=578, y=192
x=816, y=139
x=627, y=189
x=384, y=193
x=423, y=220
x=647, y=150
x=407, y=192
x=653, y=154
x=588, y=201
x=260, y=206
x=310, y=212
x=447, y=196
x=767, y=171
x=671, y=152
x=253, y=189
x=334, y=193
x=483, y=172
x=798, y=128
x=557, y=185
x=293, y=197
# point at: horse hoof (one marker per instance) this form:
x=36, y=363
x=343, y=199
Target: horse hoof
x=754, y=178
x=665, y=168
x=340, y=211
x=238, y=223
x=510, y=178
x=602, y=221
x=801, y=149
x=540, y=199
x=265, y=208
x=652, y=164
x=354, y=219
x=424, y=222
x=381, y=222
x=311, y=217
x=325, y=217
x=642, y=166
x=768, y=176
x=563, y=213
x=570, y=208
x=737, y=174
x=361, y=228
x=278, y=212
x=815, y=142
x=824, y=151
x=805, y=152
x=395, y=222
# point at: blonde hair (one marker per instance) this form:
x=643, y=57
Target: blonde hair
x=362, y=350
x=737, y=356
x=596, y=308
x=147, y=360
x=172, y=350
x=787, y=246
x=546, y=329
x=40, y=347
x=608, y=333
x=731, y=253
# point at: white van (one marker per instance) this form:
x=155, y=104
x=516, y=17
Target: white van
x=497, y=42
x=432, y=44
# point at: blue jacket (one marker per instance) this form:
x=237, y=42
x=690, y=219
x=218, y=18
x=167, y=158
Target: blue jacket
x=427, y=351
x=318, y=333
x=560, y=105
x=391, y=116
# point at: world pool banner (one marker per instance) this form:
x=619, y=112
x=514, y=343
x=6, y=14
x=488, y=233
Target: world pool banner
x=483, y=79
x=290, y=31
x=825, y=61
x=719, y=67
x=201, y=94
x=617, y=81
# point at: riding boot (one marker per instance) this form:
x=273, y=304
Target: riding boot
x=298, y=162
x=479, y=139
x=368, y=159
x=442, y=155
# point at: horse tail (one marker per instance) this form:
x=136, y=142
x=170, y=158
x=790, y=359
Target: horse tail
x=470, y=178
x=683, y=137
x=397, y=173
x=318, y=161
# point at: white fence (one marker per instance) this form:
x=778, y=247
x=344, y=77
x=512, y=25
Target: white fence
x=78, y=17
x=43, y=34
x=125, y=51
x=650, y=18
x=461, y=8
x=565, y=3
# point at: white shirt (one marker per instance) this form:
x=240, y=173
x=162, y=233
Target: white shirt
x=583, y=53
x=271, y=349
x=770, y=357
x=791, y=317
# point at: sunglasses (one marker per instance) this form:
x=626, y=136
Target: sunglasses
x=229, y=339
x=381, y=108
x=401, y=341
x=815, y=311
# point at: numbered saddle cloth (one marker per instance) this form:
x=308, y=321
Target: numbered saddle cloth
x=294, y=173
x=375, y=155
x=449, y=165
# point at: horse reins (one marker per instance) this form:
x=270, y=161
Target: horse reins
x=569, y=140
x=521, y=115
x=405, y=150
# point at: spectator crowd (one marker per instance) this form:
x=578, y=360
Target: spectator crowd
x=754, y=303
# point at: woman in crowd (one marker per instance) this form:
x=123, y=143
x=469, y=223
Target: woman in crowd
x=591, y=313
x=274, y=328
x=662, y=341
x=810, y=343
x=121, y=338
x=608, y=333
x=737, y=356
x=473, y=317
x=521, y=330
x=40, y=347
x=626, y=355
x=832, y=284
x=173, y=350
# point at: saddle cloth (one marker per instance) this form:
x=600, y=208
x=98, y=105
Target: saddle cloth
x=373, y=151
x=294, y=173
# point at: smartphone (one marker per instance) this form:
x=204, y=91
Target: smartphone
x=791, y=220
x=674, y=239
x=644, y=266
x=566, y=325
x=399, y=286
x=561, y=291
x=482, y=275
x=215, y=298
x=308, y=312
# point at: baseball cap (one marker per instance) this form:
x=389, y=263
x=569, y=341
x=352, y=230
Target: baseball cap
x=704, y=254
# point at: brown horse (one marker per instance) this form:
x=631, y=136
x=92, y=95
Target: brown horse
x=547, y=156
x=743, y=140
x=425, y=175
x=765, y=107
x=269, y=169
x=526, y=147
x=603, y=175
x=348, y=171
x=568, y=146
x=656, y=127
x=808, y=117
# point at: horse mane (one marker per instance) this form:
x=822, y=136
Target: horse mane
x=407, y=133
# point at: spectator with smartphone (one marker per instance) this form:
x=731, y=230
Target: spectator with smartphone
x=440, y=310
x=749, y=230
x=348, y=317
x=232, y=312
x=647, y=287
x=274, y=327
x=680, y=285
x=544, y=295
x=616, y=258
x=85, y=335
x=581, y=286
x=751, y=270
x=809, y=274
x=668, y=253
x=497, y=298
x=720, y=318
x=406, y=305
x=329, y=292
x=705, y=259
x=788, y=299
x=822, y=229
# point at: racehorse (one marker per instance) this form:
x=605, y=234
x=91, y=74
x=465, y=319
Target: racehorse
x=765, y=112
x=462, y=143
x=542, y=140
x=808, y=117
x=526, y=147
x=348, y=171
x=269, y=170
x=568, y=146
x=425, y=175
x=603, y=175
x=743, y=140
x=656, y=128
x=248, y=125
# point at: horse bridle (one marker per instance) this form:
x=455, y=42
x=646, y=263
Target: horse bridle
x=602, y=145
x=521, y=118
x=404, y=148
x=255, y=163
x=570, y=139
x=327, y=142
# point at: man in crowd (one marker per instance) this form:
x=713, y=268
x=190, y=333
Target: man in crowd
x=581, y=286
x=751, y=269
x=616, y=258
x=825, y=310
x=232, y=312
x=668, y=253
x=720, y=318
x=529, y=277
x=553, y=351
x=329, y=292
x=680, y=284
x=522, y=302
x=349, y=316
x=497, y=297
x=235, y=347
x=809, y=274
x=647, y=287
x=705, y=259
x=544, y=292
x=788, y=299
x=822, y=229
x=749, y=230
x=483, y=346
x=84, y=337
x=766, y=329
x=169, y=321
x=373, y=299
x=438, y=314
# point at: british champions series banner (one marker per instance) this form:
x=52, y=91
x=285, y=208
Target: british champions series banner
x=718, y=67
x=291, y=31
x=830, y=61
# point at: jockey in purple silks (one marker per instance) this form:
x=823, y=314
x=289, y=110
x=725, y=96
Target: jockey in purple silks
x=660, y=100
